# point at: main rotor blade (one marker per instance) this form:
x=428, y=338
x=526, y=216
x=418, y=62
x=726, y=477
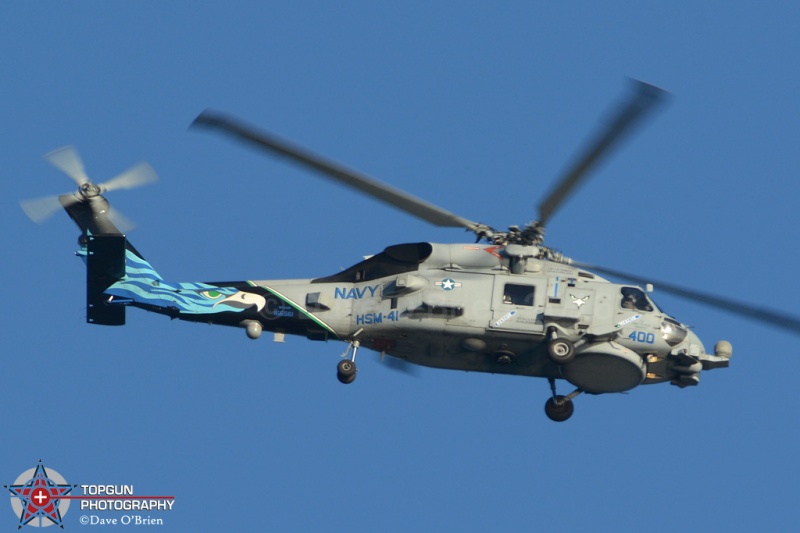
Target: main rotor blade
x=68, y=161
x=400, y=365
x=768, y=316
x=135, y=176
x=395, y=197
x=623, y=121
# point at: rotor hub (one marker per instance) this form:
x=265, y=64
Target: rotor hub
x=530, y=235
x=89, y=190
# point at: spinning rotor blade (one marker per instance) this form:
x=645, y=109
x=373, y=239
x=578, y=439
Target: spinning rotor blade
x=40, y=209
x=68, y=161
x=767, y=316
x=123, y=223
x=623, y=121
x=395, y=197
x=136, y=176
x=400, y=365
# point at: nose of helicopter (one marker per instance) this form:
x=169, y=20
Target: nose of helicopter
x=694, y=345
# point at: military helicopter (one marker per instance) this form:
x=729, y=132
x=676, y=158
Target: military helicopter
x=504, y=304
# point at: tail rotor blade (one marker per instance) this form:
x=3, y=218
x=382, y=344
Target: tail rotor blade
x=136, y=176
x=68, y=161
x=40, y=209
x=123, y=223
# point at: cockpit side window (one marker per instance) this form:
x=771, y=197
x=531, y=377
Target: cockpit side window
x=518, y=294
x=633, y=298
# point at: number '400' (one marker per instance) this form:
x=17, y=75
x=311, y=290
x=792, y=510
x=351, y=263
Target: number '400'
x=642, y=336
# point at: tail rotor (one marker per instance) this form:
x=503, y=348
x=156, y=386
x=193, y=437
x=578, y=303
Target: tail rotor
x=69, y=162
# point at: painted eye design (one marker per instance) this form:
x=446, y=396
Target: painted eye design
x=211, y=295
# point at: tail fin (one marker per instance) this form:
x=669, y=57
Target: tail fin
x=105, y=265
x=118, y=276
x=109, y=257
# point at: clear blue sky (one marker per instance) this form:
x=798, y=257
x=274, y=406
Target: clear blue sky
x=476, y=107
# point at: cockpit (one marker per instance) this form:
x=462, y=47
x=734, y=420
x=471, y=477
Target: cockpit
x=635, y=299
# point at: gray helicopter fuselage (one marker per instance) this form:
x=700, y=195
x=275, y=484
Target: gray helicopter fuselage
x=460, y=306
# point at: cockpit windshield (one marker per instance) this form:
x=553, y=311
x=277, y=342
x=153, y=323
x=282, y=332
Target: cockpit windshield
x=635, y=299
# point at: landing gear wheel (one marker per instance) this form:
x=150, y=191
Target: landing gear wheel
x=559, y=409
x=560, y=351
x=346, y=371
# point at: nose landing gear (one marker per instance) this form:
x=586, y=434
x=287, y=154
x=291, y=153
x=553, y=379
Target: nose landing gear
x=559, y=408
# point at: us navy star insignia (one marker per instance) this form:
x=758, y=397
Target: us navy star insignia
x=448, y=284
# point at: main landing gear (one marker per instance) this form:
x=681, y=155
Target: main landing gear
x=346, y=369
x=559, y=408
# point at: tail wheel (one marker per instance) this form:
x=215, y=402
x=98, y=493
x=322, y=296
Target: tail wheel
x=346, y=371
x=559, y=409
x=560, y=351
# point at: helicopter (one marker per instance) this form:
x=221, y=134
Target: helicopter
x=504, y=303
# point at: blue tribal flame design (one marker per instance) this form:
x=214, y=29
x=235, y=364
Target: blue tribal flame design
x=143, y=285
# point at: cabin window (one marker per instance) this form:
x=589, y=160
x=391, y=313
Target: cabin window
x=514, y=294
x=635, y=299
